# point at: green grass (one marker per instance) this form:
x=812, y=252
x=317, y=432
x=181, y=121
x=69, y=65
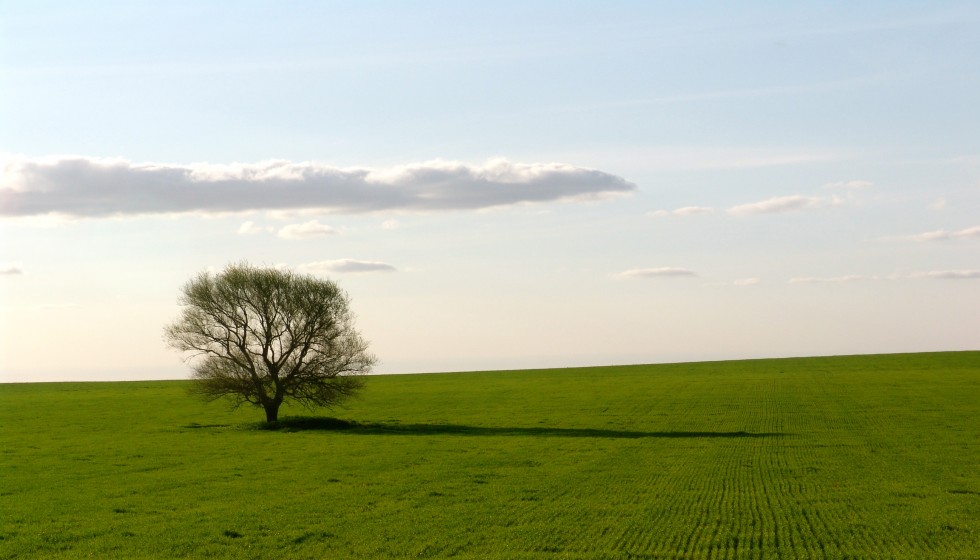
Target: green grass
x=844, y=457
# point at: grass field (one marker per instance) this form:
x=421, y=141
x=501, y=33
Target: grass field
x=844, y=457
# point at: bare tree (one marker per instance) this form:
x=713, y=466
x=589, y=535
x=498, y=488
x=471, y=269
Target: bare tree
x=264, y=335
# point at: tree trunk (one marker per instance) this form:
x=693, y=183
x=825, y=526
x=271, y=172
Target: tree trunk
x=272, y=412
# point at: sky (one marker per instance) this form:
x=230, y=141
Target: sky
x=496, y=185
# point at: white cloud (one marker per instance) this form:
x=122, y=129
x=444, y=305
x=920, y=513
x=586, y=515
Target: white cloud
x=294, y=213
x=943, y=235
x=250, y=228
x=832, y=279
x=850, y=185
x=92, y=187
x=684, y=211
x=389, y=224
x=953, y=274
x=667, y=271
x=968, y=159
x=781, y=204
x=938, y=204
x=306, y=230
x=748, y=282
x=700, y=157
x=693, y=210
x=968, y=232
x=938, y=235
x=10, y=270
x=343, y=266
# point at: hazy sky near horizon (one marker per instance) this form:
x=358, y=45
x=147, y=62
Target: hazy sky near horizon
x=496, y=185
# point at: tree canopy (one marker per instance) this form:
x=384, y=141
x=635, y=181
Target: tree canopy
x=264, y=336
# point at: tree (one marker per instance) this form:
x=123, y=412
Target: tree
x=264, y=335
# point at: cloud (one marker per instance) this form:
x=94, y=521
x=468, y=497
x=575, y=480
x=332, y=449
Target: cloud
x=684, y=211
x=692, y=210
x=943, y=235
x=344, y=266
x=781, y=204
x=250, y=228
x=92, y=187
x=832, y=279
x=695, y=158
x=306, y=230
x=665, y=271
x=953, y=274
x=390, y=224
x=9, y=270
x=938, y=204
x=968, y=159
x=747, y=282
x=938, y=235
x=938, y=274
x=850, y=185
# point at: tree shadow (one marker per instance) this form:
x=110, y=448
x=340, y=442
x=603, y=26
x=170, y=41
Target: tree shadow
x=302, y=424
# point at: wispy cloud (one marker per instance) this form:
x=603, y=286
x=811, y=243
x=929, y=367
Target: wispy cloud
x=10, y=270
x=967, y=232
x=747, y=282
x=251, y=228
x=665, y=271
x=306, y=230
x=953, y=274
x=92, y=187
x=937, y=235
x=693, y=210
x=962, y=274
x=943, y=235
x=345, y=266
x=832, y=279
x=850, y=185
x=744, y=93
x=684, y=211
x=698, y=157
x=967, y=159
x=782, y=204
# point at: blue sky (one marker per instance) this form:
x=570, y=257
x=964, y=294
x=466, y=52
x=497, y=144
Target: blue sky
x=496, y=185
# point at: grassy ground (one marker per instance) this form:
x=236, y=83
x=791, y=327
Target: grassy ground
x=850, y=457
